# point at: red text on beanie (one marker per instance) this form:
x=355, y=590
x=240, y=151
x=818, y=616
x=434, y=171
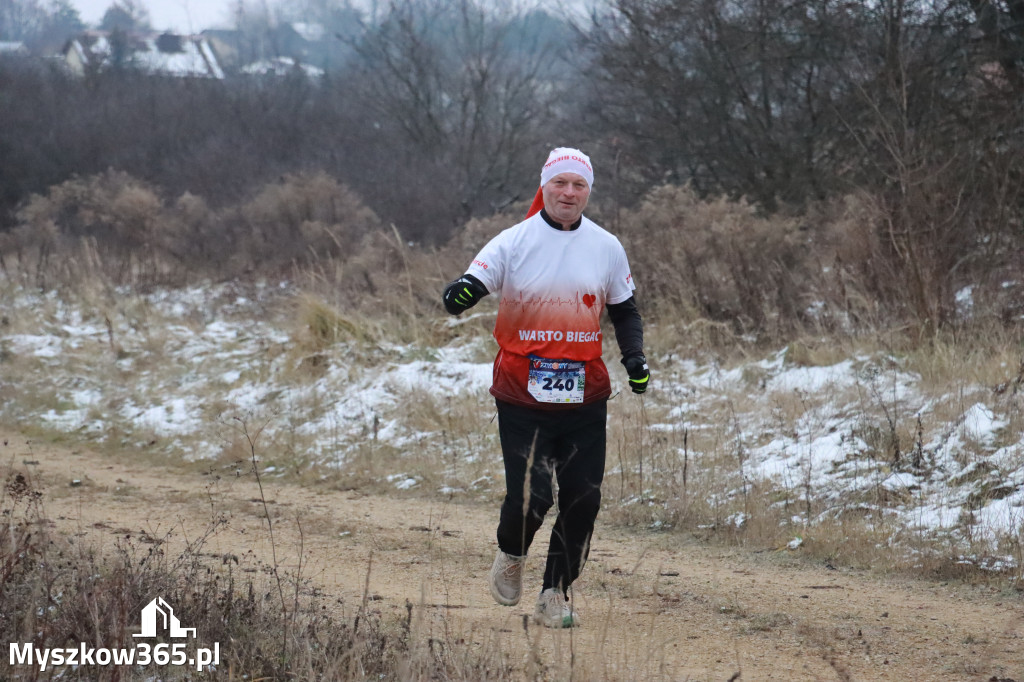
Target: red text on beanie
x=567, y=160
x=561, y=160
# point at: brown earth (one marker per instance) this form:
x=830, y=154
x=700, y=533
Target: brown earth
x=654, y=606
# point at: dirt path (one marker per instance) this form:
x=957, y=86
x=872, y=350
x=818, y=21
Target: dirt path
x=655, y=607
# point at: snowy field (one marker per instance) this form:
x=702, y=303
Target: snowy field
x=177, y=371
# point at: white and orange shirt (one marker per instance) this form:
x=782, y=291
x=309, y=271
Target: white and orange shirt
x=551, y=286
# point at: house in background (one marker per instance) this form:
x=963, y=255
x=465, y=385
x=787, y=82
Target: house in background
x=281, y=66
x=164, y=54
x=231, y=47
x=10, y=48
x=301, y=41
x=277, y=47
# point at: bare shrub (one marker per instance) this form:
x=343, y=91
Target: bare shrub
x=137, y=239
x=897, y=258
x=113, y=207
x=303, y=218
x=898, y=268
x=858, y=285
x=478, y=231
x=196, y=238
x=717, y=260
x=29, y=247
x=117, y=214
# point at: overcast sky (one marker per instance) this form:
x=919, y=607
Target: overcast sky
x=180, y=16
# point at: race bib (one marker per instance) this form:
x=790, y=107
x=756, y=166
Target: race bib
x=556, y=381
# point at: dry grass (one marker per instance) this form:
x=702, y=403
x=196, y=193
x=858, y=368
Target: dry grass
x=694, y=478
x=324, y=326
x=714, y=273
x=690, y=476
x=728, y=286
x=272, y=621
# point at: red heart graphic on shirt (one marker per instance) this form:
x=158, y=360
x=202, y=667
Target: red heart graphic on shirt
x=588, y=300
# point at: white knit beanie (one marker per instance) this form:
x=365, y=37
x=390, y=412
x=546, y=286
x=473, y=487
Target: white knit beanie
x=567, y=160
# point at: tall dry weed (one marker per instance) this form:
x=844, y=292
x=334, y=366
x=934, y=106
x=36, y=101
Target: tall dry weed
x=395, y=283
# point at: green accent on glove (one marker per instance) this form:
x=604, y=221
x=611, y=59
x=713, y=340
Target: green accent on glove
x=639, y=385
x=639, y=374
x=457, y=300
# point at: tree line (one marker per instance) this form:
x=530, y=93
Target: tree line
x=441, y=110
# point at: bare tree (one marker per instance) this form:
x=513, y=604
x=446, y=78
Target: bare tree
x=20, y=19
x=126, y=15
x=734, y=98
x=1001, y=25
x=62, y=22
x=909, y=102
x=461, y=95
x=938, y=143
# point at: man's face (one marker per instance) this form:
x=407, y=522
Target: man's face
x=565, y=197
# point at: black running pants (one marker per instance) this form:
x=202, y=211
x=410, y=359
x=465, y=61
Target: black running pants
x=539, y=446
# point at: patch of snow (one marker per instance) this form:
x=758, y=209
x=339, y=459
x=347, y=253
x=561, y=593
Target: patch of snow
x=980, y=423
x=402, y=481
x=965, y=300
x=176, y=417
x=282, y=66
x=38, y=345
x=221, y=358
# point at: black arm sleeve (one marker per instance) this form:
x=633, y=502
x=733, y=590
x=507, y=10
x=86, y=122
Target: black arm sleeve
x=480, y=289
x=629, y=328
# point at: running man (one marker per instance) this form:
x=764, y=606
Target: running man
x=553, y=274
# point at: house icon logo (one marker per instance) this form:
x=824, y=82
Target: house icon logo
x=159, y=614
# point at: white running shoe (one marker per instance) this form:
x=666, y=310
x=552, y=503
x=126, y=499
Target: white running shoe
x=554, y=611
x=507, y=578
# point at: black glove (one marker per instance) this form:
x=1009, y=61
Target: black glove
x=639, y=375
x=463, y=294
